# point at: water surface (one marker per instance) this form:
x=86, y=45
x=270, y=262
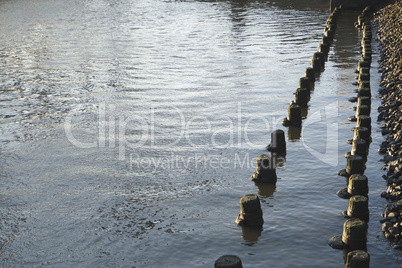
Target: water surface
x=129, y=131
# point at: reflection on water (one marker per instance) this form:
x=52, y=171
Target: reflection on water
x=250, y=235
x=294, y=133
x=304, y=112
x=265, y=190
x=284, y=4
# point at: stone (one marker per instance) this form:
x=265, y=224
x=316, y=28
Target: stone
x=336, y=242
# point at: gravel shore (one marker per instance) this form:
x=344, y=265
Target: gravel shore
x=388, y=19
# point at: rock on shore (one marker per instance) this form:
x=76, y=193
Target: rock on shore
x=389, y=23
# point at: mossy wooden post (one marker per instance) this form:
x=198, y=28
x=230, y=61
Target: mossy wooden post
x=358, y=259
x=330, y=26
x=265, y=171
x=364, y=74
x=302, y=96
x=330, y=33
x=354, y=234
x=366, y=42
x=250, y=211
x=364, y=121
x=367, y=35
x=363, y=64
x=364, y=70
x=362, y=133
x=364, y=89
x=228, y=261
x=304, y=82
x=364, y=101
x=326, y=40
x=359, y=147
x=362, y=110
x=355, y=165
x=310, y=74
x=294, y=115
x=324, y=48
x=321, y=57
x=278, y=142
x=331, y=21
x=358, y=185
x=358, y=208
x=364, y=77
x=367, y=32
x=367, y=53
x=368, y=56
x=364, y=92
x=364, y=84
x=316, y=65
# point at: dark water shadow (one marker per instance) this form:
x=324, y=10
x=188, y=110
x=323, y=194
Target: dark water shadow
x=250, y=235
x=294, y=133
x=283, y=4
x=265, y=190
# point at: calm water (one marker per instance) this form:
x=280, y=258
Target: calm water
x=129, y=131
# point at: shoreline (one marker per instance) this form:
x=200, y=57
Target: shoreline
x=388, y=19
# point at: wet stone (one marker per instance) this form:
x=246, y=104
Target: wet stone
x=343, y=193
x=335, y=242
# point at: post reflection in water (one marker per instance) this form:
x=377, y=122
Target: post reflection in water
x=250, y=235
x=294, y=133
x=304, y=112
x=265, y=190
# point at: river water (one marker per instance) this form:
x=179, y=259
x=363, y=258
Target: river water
x=130, y=129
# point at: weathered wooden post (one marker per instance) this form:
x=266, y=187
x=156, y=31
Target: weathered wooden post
x=358, y=259
x=358, y=185
x=228, y=261
x=358, y=208
x=250, y=211
x=354, y=234
x=278, y=142
x=266, y=170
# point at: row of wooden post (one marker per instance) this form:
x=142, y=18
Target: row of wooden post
x=354, y=236
x=250, y=208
